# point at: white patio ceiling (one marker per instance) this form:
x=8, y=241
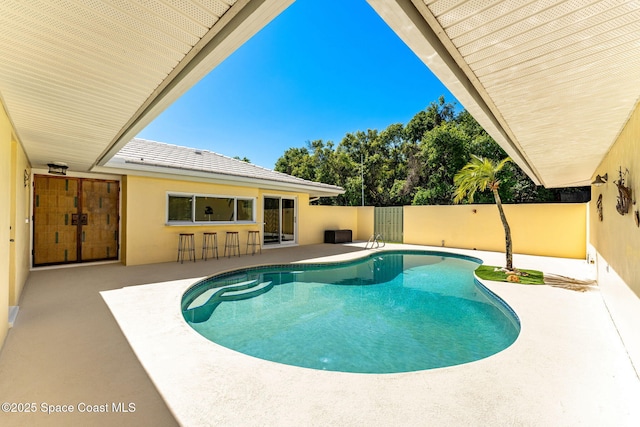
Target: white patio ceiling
x=552, y=81
x=80, y=78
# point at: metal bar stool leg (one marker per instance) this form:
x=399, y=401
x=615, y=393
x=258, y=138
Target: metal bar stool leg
x=209, y=245
x=253, y=240
x=232, y=243
x=226, y=244
x=186, y=243
x=192, y=247
x=215, y=244
x=236, y=243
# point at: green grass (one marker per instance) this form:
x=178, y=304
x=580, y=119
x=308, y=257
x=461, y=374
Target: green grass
x=528, y=277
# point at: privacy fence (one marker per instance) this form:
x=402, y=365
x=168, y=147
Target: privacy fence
x=558, y=230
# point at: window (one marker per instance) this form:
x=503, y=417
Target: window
x=244, y=208
x=180, y=208
x=214, y=209
x=209, y=209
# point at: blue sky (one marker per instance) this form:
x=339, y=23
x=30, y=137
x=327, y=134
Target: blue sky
x=315, y=72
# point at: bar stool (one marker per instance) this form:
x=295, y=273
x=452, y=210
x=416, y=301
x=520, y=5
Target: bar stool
x=253, y=240
x=232, y=243
x=209, y=244
x=186, y=243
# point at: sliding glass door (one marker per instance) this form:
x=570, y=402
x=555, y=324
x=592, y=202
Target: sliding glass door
x=279, y=221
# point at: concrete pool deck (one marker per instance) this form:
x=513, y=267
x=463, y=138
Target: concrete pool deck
x=567, y=367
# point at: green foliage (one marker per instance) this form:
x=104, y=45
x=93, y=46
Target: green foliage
x=412, y=164
x=479, y=174
x=526, y=277
x=443, y=153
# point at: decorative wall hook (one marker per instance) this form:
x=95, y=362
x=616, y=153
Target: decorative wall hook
x=599, y=207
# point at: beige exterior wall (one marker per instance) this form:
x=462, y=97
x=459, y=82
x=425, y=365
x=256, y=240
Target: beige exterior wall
x=616, y=237
x=14, y=232
x=315, y=220
x=5, y=220
x=557, y=230
x=615, y=241
x=147, y=239
x=365, y=222
x=20, y=258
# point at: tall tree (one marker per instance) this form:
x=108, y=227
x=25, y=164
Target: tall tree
x=479, y=175
x=431, y=117
x=443, y=153
x=296, y=162
x=412, y=164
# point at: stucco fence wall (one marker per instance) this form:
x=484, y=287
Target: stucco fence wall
x=314, y=220
x=558, y=230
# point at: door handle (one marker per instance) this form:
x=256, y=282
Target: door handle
x=82, y=219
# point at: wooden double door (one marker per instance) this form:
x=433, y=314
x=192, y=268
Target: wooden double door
x=74, y=220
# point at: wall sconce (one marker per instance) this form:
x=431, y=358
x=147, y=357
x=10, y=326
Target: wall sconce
x=58, y=168
x=27, y=175
x=600, y=180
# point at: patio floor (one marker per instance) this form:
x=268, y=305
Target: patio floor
x=567, y=367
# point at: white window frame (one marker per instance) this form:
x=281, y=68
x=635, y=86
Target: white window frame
x=193, y=196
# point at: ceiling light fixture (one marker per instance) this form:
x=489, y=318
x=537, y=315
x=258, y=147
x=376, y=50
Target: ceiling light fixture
x=58, y=168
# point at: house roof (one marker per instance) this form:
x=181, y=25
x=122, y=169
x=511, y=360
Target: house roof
x=141, y=156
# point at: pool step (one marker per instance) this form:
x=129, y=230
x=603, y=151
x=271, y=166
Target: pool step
x=202, y=307
x=206, y=296
x=254, y=291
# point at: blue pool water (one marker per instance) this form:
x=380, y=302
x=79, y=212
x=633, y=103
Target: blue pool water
x=389, y=312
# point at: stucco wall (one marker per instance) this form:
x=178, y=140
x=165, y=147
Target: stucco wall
x=557, y=230
x=317, y=219
x=5, y=220
x=616, y=237
x=14, y=231
x=147, y=239
x=615, y=240
x=20, y=223
x=365, y=222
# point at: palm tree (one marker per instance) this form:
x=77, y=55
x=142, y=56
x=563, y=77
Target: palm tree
x=478, y=175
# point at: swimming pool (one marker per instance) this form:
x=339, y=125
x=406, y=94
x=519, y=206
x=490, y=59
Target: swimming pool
x=393, y=311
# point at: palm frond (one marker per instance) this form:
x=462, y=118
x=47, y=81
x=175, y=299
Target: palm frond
x=477, y=175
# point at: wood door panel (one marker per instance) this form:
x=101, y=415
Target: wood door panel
x=54, y=238
x=75, y=220
x=100, y=205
